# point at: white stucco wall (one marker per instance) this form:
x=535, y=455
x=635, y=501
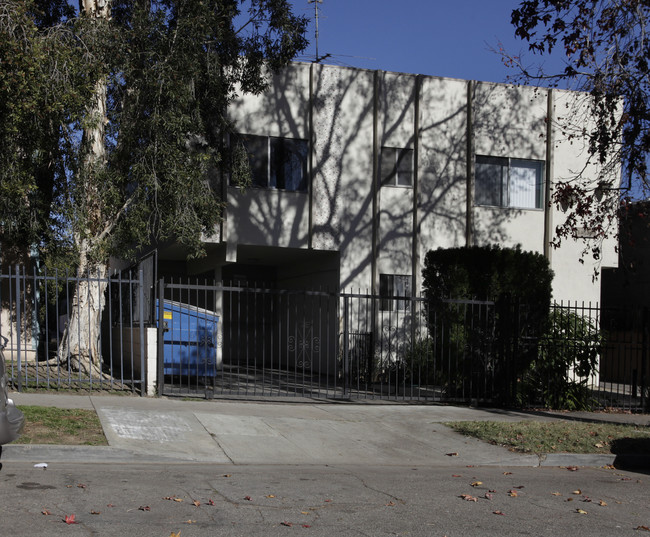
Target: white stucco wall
x=342, y=188
x=577, y=276
x=442, y=163
x=507, y=121
x=264, y=216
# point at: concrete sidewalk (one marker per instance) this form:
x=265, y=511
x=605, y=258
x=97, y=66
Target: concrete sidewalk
x=146, y=430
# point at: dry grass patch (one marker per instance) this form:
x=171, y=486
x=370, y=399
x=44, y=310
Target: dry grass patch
x=61, y=426
x=558, y=436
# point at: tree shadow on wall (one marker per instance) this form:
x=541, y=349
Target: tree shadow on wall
x=346, y=212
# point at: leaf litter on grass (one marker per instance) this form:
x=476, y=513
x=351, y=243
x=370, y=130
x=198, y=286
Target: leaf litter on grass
x=557, y=436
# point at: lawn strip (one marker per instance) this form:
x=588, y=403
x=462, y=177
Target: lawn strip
x=557, y=436
x=61, y=426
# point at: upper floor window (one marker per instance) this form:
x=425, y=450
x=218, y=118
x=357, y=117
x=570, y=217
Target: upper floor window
x=394, y=285
x=277, y=162
x=396, y=166
x=509, y=182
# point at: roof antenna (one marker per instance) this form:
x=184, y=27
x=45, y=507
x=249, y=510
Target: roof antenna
x=316, y=3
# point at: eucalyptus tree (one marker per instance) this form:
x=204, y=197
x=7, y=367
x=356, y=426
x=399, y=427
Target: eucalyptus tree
x=138, y=92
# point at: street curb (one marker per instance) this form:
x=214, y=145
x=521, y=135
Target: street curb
x=37, y=453
x=47, y=453
x=627, y=461
x=576, y=459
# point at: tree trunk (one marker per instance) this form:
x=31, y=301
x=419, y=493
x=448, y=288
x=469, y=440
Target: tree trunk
x=80, y=349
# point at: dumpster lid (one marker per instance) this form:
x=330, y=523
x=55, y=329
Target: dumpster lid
x=180, y=306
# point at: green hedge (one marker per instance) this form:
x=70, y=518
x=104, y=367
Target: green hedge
x=478, y=349
x=488, y=273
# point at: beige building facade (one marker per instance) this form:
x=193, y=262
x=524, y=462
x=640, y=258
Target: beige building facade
x=358, y=173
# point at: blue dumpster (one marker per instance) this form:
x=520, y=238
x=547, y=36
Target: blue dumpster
x=190, y=340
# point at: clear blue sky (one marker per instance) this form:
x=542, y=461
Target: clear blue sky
x=440, y=38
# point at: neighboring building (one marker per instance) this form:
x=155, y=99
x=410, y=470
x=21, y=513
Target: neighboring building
x=627, y=286
x=358, y=173
x=625, y=300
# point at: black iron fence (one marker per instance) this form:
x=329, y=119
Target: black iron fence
x=220, y=340
x=39, y=318
x=215, y=340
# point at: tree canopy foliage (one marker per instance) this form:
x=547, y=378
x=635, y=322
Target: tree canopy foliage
x=606, y=50
x=112, y=117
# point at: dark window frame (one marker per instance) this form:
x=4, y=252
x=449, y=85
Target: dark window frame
x=274, y=161
x=396, y=167
x=490, y=190
x=395, y=285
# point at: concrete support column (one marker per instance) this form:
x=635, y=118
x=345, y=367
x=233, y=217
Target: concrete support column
x=469, y=163
x=548, y=176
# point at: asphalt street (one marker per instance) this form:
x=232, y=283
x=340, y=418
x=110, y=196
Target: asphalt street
x=198, y=499
x=228, y=468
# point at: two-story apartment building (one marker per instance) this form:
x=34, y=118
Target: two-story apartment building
x=358, y=173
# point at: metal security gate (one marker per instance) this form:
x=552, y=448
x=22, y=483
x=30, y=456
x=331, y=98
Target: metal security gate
x=221, y=340
x=246, y=341
x=235, y=341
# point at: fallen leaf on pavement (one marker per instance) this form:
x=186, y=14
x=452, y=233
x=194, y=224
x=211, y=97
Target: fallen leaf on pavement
x=488, y=496
x=469, y=498
x=210, y=501
x=69, y=519
x=572, y=468
x=602, y=503
x=507, y=473
x=270, y=496
x=556, y=494
x=390, y=504
x=285, y=523
x=581, y=511
x=513, y=493
x=306, y=526
x=456, y=475
x=172, y=534
x=476, y=483
x=248, y=498
x=499, y=513
x=144, y=508
x=642, y=528
x=93, y=512
x=45, y=512
x=190, y=522
x=304, y=512
x=578, y=491
x=454, y=454
x=196, y=503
